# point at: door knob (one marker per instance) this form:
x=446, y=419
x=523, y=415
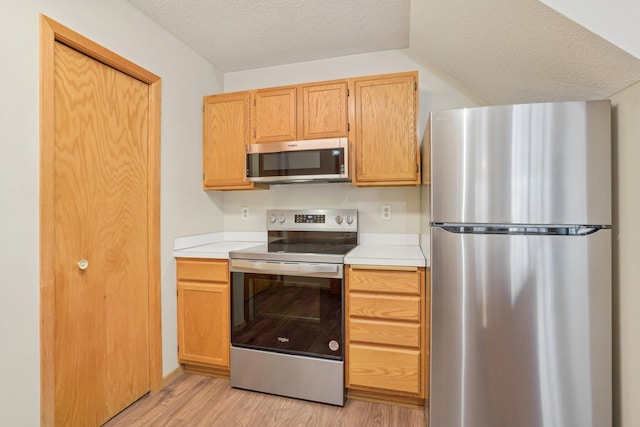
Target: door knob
x=83, y=264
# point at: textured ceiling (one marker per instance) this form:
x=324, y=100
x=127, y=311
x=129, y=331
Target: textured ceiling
x=504, y=51
x=239, y=35
x=508, y=51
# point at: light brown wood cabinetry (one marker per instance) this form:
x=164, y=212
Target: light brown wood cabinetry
x=324, y=110
x=387, y=333
x=426, y=153
x=225, y=132
x=273, y=115
x=306, y=111
x=385, y=148
x=203, y=315
x=377, y=113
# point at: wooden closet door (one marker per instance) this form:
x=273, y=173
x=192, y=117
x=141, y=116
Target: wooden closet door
x=101, y=347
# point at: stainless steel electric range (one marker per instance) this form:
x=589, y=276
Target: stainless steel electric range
x=287, y=304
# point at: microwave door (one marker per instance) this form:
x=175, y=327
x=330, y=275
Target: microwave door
x=281, y=162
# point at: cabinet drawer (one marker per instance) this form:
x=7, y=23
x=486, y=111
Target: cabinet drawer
x=383, y=368
x=389, y=307
x=380, y=332
x=396, y=281
x=203, y=270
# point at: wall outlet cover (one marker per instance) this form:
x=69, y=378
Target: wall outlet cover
x=385, y=212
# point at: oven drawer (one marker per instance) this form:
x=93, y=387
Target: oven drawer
x=203, y=269
x=384, y=368
x=389, y=307
x=381, y=332
x=398, y=280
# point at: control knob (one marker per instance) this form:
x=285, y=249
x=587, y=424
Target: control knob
x=349, y=219
x=282, y=219
x=273, y=218
x=339, y=219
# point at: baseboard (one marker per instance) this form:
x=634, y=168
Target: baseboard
x=171, y=376
x=388, y=398
x=206, y=370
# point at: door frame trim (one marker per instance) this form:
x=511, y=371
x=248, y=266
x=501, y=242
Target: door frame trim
x=50, y=33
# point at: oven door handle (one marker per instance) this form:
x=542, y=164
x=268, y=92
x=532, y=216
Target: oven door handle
x=282, y=267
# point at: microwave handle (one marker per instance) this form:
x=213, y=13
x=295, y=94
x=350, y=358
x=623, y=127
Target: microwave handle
x=282, y=267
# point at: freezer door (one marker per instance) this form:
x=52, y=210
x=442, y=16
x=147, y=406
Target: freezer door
x=521, y=330
x=547, y=163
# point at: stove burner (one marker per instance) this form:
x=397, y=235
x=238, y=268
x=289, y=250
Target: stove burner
x=310, y=248
x=311, y=242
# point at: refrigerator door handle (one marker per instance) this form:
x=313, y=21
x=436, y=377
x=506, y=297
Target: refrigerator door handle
x=566, y=230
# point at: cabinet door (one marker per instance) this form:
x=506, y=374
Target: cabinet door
x=274, y=115
x=225, y=134
x=386, y=142
x=426, y=153
x=203, y=323
x=324, y=110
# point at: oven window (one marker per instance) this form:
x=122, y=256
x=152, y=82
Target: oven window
x=289, y=314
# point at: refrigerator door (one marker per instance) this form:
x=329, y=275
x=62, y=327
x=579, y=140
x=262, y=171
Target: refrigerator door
x=547, y=163
x=521, y=330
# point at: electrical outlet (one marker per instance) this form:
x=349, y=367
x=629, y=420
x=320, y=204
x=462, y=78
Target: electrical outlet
x=245, y=213
x=385, y=212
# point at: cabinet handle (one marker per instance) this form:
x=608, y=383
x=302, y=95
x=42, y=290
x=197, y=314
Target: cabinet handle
x=83, y=264
x=384, y=267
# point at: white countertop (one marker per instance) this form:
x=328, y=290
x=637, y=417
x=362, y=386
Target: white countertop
x=216, y=245
x=218, y=250
x=381, y=254
x=388, y=249
x=374, y=249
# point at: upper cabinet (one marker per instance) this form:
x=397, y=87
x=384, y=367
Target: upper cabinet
x=324, y=110
x=378, y=114
x=306, y=111
x=225, y=134
x=273, y=115
x=426, y=153
x=385, y=148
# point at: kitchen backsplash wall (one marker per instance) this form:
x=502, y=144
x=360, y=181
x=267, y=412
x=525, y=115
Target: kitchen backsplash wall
x=404, y=202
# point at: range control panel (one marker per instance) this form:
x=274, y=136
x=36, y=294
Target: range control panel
x=309, y=219
x=313, y=219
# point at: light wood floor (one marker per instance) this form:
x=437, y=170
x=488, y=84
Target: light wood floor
x=194, y=400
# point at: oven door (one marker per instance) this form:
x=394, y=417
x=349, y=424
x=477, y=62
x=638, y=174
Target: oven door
x=287, y=307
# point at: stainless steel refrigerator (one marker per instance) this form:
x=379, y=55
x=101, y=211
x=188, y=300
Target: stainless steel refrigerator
x=521, y=266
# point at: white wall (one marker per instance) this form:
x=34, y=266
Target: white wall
x=436, y=92
x=626, y=253
x=185, y=208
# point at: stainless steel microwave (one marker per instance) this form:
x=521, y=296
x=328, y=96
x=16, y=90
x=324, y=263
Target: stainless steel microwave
x=314, y=160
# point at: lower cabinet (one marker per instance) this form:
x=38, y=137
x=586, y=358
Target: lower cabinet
x=203, y=315
x=387, y=333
